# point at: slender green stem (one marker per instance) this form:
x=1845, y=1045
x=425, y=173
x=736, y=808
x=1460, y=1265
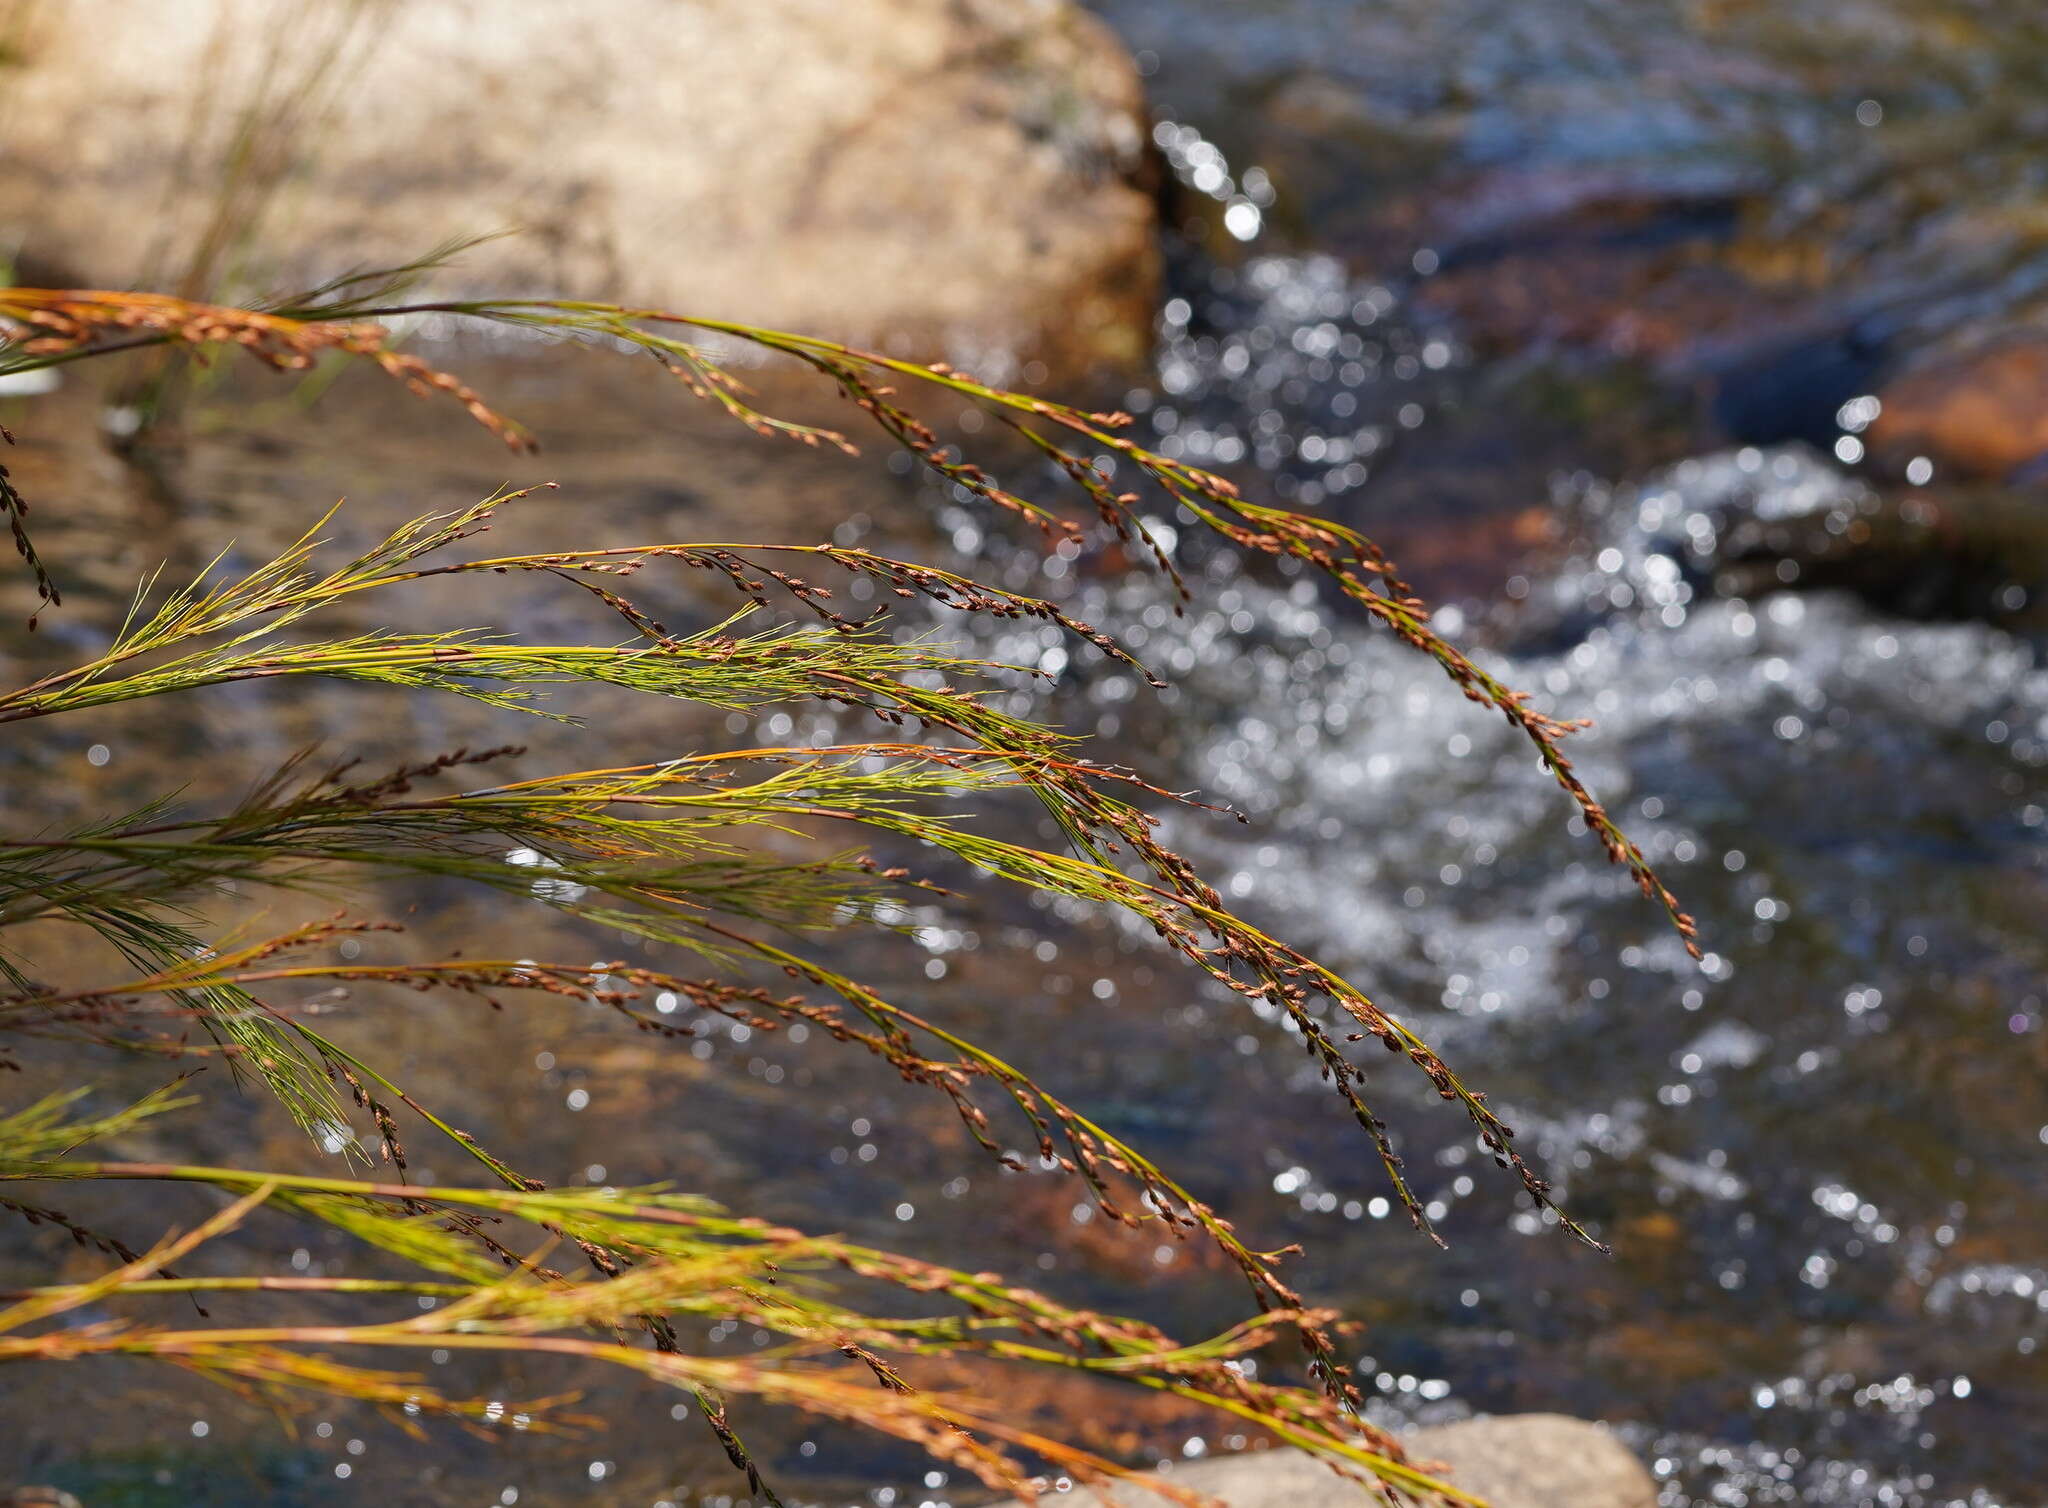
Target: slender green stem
x=258, y=1285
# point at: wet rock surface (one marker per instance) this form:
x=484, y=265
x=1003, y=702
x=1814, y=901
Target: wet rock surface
x=958, y=177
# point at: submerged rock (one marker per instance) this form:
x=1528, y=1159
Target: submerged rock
x=1538, y=1461
x=953, y=177
x=1515, y=1461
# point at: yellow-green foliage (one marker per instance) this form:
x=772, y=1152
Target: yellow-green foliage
x=671, y=852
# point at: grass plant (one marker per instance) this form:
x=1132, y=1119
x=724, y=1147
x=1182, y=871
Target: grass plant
x=741, y=861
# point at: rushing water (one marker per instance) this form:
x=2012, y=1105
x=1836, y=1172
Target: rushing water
x=1819, y=1156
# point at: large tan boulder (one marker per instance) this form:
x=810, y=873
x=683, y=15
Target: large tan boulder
x=954, y=176
x=1513, y=1461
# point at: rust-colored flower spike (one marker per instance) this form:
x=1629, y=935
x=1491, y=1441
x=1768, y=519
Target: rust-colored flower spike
x=72, y=323
x=662, y=852
x=63, y=325
x=15, y=506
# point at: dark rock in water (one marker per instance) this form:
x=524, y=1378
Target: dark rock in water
x=1573, y=208
x=1792, y=389
x=1957, y=553
x=1515, y=1461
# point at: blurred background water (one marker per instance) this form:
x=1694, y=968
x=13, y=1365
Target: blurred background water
x=1583, y=309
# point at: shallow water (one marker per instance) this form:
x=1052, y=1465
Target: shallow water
x=1819, y=1158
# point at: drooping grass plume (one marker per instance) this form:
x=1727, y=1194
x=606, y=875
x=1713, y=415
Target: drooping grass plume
x=51, y=326
x=743, y=860
x=15, y=506
x=683, y=1260
x=647, y=850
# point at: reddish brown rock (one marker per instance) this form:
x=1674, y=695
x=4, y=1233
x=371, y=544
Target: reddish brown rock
x=1981, y=415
